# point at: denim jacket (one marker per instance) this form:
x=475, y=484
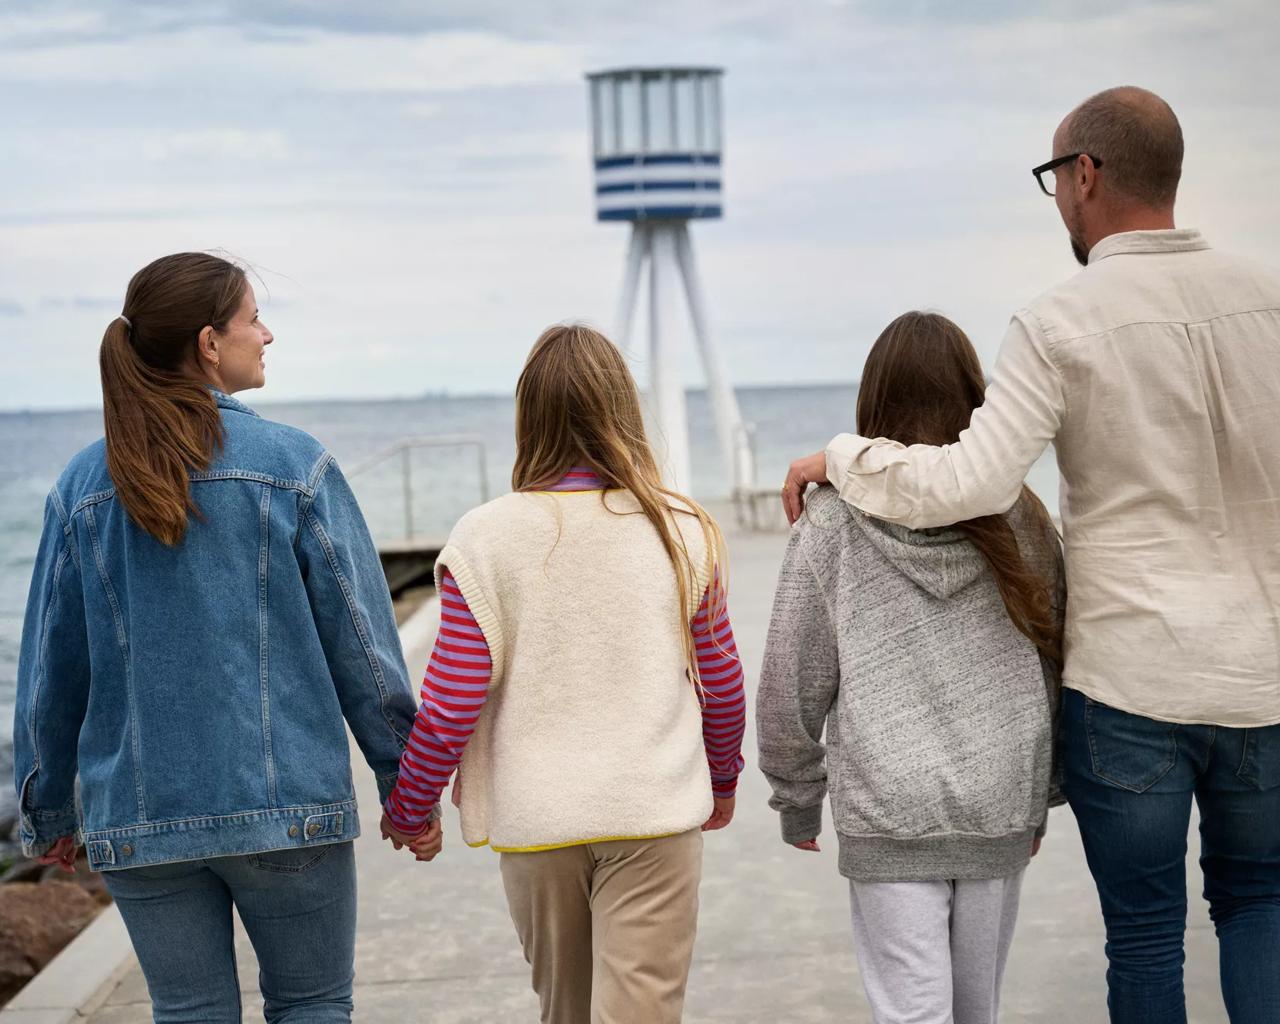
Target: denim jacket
x=199, y=691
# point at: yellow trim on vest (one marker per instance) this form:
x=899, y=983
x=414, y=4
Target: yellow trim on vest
x=565, y=846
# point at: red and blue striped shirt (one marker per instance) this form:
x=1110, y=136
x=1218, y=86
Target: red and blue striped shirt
x=457, y=679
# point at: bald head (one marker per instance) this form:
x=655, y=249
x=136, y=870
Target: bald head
x=1136, y=136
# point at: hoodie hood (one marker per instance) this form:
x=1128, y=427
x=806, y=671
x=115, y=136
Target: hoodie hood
x=942, y=562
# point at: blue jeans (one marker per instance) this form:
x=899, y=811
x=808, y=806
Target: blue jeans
x=1130, y=781
x=298, y=907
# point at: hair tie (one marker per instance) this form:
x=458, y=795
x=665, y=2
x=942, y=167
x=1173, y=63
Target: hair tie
x=127, y=322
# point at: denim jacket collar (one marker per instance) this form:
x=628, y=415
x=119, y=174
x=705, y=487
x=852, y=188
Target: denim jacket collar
x=225, y=401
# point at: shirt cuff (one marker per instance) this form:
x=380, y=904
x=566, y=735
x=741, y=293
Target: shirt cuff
x=800, y=824
x=724, y=788
x=413, y=827
x=841, y=452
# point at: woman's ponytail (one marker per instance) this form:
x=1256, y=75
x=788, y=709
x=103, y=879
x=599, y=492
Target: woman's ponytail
x=161, y=422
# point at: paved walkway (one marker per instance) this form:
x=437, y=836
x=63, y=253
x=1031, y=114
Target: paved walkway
x=774, y=946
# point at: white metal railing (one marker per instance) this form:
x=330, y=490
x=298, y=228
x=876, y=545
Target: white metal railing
x=405, y=448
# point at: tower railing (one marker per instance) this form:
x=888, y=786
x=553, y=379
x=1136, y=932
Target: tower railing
x=405, y=448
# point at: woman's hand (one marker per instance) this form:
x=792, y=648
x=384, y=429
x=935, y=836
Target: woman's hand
x=809, y=844
x=1035, y=845
x=431, y=842
x=721, y=814
x=62, y=853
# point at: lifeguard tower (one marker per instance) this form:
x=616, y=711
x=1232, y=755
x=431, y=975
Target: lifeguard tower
x=657, y=142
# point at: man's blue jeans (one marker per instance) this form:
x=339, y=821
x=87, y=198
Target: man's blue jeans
x=299, y=910
x=1130, y=781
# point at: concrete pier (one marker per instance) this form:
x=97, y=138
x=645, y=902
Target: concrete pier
x=436, y=944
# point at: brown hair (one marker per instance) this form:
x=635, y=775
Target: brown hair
x=162, y=421
x=1137, y=137
x=921, y=383
x=577, y=404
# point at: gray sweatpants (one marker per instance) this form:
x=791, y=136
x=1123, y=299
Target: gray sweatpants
x=934, y=952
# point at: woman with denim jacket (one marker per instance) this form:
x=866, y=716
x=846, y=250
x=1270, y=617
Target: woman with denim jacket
x=207, y=610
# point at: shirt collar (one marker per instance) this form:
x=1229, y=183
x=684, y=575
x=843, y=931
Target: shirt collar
x=1165, y=240
x=225, y=401
x=578, y=478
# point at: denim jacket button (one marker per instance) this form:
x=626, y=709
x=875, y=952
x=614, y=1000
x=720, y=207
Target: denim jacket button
x=293, y=831
x=313, y=829
x=127, y=850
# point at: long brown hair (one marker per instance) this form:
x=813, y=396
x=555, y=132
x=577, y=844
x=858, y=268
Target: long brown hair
x=921, y=383
x=577, y=404
x=162, y=421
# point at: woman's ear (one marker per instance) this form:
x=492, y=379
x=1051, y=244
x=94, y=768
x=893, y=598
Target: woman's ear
x=207, y=346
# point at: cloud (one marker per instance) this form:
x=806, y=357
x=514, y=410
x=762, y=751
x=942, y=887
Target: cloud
x=315, y=59
x=420, y=173
x=79, y=303
x=219, y=143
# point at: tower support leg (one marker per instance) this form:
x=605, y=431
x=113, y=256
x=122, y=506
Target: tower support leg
x=735, y=443
x=637, y=250
x=666, y=385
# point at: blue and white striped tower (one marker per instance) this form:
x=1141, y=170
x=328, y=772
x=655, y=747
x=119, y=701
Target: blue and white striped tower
x=657, y=144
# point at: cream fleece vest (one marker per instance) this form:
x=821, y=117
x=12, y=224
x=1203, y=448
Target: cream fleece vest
x=591, y=730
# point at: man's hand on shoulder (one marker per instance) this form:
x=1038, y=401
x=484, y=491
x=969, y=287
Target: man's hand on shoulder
x=812, y=469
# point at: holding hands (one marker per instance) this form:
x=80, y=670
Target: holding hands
x=62, y=853
x=424, y=846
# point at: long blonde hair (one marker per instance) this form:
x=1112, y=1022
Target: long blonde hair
x=577, y=404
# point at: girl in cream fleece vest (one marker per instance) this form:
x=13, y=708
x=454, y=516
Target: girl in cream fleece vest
x=592, y=731
x=585, y=676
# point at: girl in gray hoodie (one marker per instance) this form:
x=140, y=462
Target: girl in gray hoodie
x=931, y=658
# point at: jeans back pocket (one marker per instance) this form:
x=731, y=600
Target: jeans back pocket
x=1260, y=762
x=1128, y=750
x=291, y=861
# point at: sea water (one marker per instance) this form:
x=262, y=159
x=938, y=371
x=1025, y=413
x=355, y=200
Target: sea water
x=786, y=422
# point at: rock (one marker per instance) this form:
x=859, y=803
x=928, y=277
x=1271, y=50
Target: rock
x=88, y=880
x=36, y=921
x=23, y=870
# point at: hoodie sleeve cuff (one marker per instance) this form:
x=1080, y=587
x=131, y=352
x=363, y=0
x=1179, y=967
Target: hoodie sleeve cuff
x=800, y=824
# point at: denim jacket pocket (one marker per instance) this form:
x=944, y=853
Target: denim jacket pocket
x=1260, y=761
x=1128, y=750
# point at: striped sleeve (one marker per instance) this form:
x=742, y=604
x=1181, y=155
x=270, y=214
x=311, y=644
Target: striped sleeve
x=453, y=693
x=723, y=698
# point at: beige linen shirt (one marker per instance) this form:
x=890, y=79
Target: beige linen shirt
x=1155, y=373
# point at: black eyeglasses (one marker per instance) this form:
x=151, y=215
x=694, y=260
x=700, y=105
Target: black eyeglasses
x=1048, y=168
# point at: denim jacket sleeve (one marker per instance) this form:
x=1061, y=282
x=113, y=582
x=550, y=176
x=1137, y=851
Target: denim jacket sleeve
x=354, y=619
x=53, y=688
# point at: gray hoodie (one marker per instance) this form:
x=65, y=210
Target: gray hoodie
x=939, y=714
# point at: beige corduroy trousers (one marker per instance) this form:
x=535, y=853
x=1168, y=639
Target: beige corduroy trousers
x=608, y=927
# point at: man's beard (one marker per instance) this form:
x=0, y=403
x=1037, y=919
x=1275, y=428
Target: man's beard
x=1075, y=231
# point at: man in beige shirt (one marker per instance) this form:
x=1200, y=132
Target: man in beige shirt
x=1155, y=373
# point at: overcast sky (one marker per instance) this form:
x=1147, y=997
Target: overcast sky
x=412, y=180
